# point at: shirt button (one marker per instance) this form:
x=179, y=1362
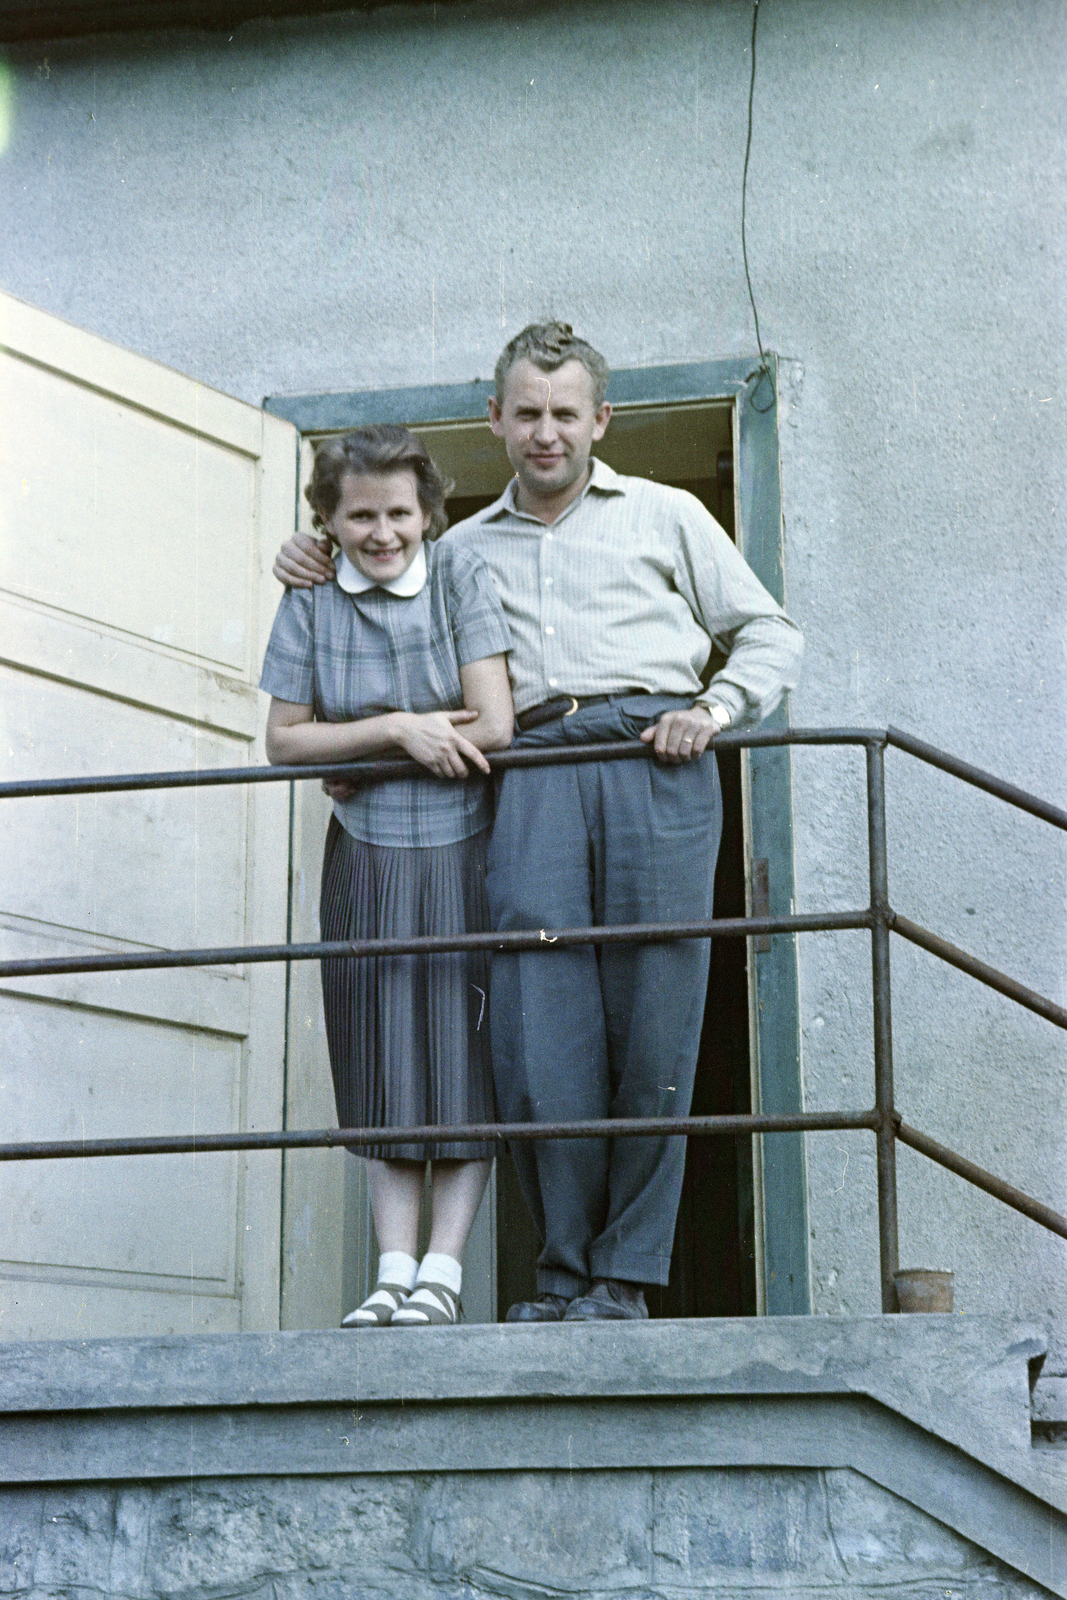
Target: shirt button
x=550, y=630
x=552, y=682
x=548, y=533
x=548, y=583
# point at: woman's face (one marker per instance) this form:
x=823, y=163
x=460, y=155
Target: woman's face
x=379, y=522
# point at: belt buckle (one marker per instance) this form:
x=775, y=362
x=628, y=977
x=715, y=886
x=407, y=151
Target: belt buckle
x=574, y=706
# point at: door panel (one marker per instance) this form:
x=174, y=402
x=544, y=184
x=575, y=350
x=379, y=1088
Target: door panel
x=140, y=516
x=108, y=1073
x=188, y=493
x=48, y=727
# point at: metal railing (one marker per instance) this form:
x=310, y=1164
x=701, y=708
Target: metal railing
x=882, y=1119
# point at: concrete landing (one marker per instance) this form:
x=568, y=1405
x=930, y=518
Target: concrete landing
x=935, y=1411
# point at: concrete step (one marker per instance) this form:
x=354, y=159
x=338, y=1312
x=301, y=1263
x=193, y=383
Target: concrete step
x=881, y=1437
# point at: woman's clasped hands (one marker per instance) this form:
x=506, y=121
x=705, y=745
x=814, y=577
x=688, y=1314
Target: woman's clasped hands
x=433, y=739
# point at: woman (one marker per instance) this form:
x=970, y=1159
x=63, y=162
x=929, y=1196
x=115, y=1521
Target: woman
x=404, y=653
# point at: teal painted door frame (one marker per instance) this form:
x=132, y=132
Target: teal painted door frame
x=759, y=530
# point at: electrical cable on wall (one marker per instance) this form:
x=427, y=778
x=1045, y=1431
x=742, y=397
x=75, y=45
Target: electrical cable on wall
x=764, y=368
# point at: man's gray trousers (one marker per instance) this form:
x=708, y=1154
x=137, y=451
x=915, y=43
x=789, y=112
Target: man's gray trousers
x=601, y=1032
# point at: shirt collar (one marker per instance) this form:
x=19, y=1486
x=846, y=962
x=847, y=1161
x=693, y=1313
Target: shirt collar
x=602, y=478
x=410, y=582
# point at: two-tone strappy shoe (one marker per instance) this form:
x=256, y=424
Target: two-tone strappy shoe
x=379, y=1308
x=429, y=1305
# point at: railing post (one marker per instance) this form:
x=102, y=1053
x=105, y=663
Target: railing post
x=883, y=1025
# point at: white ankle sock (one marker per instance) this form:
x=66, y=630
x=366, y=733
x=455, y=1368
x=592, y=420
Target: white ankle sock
x=396, y=1266
x=438, y=1268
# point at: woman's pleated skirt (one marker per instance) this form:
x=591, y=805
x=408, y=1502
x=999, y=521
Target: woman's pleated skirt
x=408, y=1035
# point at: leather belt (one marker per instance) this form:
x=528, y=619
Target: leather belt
x=564, y=705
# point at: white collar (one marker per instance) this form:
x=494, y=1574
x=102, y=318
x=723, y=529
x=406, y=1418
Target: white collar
x=410, y=581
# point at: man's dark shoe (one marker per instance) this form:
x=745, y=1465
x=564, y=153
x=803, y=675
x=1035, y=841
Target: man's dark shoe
x=547, y=1308
x=609, y=1300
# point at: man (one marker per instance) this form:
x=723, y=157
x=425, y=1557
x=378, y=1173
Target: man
x=615, y=590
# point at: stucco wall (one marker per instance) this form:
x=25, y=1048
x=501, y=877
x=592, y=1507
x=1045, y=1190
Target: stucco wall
x=380, y=199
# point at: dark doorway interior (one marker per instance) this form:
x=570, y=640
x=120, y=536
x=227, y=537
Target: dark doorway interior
x=713, y=1269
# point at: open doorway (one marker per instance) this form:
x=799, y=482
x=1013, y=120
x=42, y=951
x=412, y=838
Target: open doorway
x=742, y=1240
x=713, y=1269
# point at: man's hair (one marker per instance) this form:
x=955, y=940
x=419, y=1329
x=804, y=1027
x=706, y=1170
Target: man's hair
x=548, y=345
x=383, y=448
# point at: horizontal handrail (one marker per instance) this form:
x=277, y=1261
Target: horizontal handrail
x=439, y=944
x=358, y=772
x=501, y=760
x=978, y=778
x=400, y=767
x=1052, y=1220
x=540, y=939
x=955, y=957
x=499, y=1132
x=468, y=1133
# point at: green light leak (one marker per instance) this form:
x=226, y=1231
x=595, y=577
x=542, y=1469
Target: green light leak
x=7, y=104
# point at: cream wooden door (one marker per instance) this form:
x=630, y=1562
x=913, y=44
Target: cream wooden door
x=140, y=513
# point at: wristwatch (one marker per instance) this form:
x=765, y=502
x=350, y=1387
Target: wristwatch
x=718, y=714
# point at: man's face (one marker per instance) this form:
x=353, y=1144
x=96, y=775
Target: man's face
x=548, y=423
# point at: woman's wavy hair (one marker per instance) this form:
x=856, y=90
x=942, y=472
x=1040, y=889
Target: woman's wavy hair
x=384, y=447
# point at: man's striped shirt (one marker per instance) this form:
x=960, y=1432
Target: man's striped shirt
x=629, y=589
